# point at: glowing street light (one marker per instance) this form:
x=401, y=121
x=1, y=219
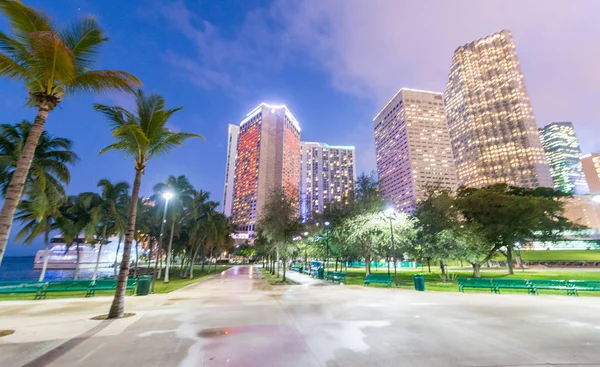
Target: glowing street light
x=596, y=198
x=167, y=196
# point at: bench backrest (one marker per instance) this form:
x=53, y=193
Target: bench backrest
x=483, y=281
x=377, y=277
x=590, y=284
x=106, y=283
x=548, y=283
x=509, y=281
x=67, y=284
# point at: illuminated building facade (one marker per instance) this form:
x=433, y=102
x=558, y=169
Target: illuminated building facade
x=232, y=139
x=327, y=174
x=492, y=127
x=562, y=154
x=591, y=169
x=413, y=148
x=268, y=158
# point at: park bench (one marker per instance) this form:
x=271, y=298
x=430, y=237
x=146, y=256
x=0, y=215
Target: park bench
x=8, y=287
x=584, y=285
x=556, y=285
x=64, y=286
x=376, y=278
x=110, y=284
x=508, y=283
x=295, y=267
x=336, y=277
x=481, y=283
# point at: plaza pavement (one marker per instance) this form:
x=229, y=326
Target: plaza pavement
x=236, y=319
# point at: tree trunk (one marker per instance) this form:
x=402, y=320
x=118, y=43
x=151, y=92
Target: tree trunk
x=97, y=262
x=118, y=305
x=160, y=265
x=284, y=262
x=46, y=255
x=182, y=266
x=150, y=253
x=202, y=258
x=168, y=261
x=368, y=265
x=443, y=268
x=277, y=260
x=117, y=257
x=476, y=270
x=14, y=189
x=76, y=275
x=137, y=256
x=509, y=260
x=429, y=264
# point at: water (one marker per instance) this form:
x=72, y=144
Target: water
x=21, y=268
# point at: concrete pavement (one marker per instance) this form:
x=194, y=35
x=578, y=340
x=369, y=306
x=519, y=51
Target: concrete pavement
x=236, y=319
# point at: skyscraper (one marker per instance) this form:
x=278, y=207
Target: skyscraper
x=327, y=174
x=562, y=154
x=494, y=135
x=268, y=158
x=413, y=148
x=232, y=139
x=591, y=168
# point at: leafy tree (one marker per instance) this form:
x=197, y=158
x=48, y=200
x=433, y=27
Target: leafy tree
x=39, y=212
x=52, y=64
x=141, y=135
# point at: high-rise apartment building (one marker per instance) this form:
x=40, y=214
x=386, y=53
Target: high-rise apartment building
x=327, y=174
x=414, y=154
x=494, y=135
x=562, y=154
x=591, y=168
x=232, y=139
x=268, y=158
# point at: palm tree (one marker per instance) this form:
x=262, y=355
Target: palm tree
x=52, y=64
x=50, y=160
x=39, y=213
x=182, y=191
x=112, y=198
x=199, y=226
x=141, y=135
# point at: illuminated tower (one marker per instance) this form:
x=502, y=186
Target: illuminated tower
x=268, y=158
x=591, y=169
x=327, y=174
x=562, y=153
x=492, y=127
x=414, y=154
x=232, y=138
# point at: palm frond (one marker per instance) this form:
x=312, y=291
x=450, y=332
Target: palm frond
x=115, y=115
x=24, y=19
x=12, y=70
x=54, y=59
x=102, y=80
x=122, y=146
x=170, y=141
x=83, y=38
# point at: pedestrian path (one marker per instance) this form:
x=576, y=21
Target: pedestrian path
x=305, y=279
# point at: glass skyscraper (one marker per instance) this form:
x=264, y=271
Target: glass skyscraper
x=562, y=153
x=492, y=128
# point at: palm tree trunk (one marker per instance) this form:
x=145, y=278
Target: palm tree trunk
x=100, y=250
x=117, y=257
x=284, y=263
x=76, y=275
x=150, y=253
x=17, y=182
x=169, y=250
x=46, y=255
x=118, y=305
x=155, y=268
x=137, y=256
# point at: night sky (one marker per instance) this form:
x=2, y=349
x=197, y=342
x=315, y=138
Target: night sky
x=333, y=63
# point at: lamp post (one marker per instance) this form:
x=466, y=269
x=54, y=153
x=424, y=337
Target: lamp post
x=389, y=213
x=326, y=244
x=167, y=196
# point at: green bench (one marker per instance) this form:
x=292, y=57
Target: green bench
x=378, y=279
x=511, y=283
x=110, y=284
x=555, y=285
x=336, y=277
x=477, y=283
x=584, y=285
x=64, y=286
x=295, y=267
x=9, y=287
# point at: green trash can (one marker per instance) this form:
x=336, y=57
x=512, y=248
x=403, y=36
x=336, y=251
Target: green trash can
x=419, y=281
x=320, y=273
x=143, y=285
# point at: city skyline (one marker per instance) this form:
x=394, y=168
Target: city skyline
x=335, y=77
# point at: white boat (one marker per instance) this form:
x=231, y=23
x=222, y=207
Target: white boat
x=63, y=257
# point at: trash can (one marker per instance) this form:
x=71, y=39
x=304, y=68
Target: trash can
x=320, y=273
x=143, y=285
x=419, y=280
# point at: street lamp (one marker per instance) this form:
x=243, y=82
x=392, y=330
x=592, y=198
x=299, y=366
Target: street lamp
x=389, y=213
x=326, y=245
x=167, y=196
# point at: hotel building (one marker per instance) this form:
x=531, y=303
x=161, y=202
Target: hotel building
x=232, y=139
x=591, y=169
x=413, y=148
x=492, y=127
x=268, y=158
x=327, y=174
x=562, y=154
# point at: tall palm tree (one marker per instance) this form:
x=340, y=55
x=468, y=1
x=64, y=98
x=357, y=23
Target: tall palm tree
x=182, y=191
x=112, y=198
x=39, y=213
x=52, y=64
x=199, y=226
x=50, y=160
x=141, y=135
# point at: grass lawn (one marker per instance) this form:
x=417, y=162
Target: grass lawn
x=175, y=282
x=274, y=280
x=433, y=280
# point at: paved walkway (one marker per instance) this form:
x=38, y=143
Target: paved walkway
x=236, y=319
x=304, y=279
